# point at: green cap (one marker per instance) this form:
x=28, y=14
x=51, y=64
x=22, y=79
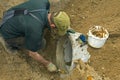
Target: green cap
x=62, y=22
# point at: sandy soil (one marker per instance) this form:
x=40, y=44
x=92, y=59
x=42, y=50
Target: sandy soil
x=84, y=14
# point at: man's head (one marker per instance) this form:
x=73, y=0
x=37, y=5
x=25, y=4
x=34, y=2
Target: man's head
x=61, y=21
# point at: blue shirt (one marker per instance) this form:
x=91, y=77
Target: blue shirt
x=26, y=25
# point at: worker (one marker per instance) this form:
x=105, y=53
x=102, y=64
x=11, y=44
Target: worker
x=29, y=20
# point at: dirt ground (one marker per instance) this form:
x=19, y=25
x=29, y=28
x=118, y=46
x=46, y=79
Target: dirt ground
x=84, y=14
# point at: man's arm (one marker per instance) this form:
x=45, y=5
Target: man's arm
x=38, y=57
x=50, y=66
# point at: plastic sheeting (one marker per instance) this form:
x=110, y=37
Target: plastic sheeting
x=68, y=50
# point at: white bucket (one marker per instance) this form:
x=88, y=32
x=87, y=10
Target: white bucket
x=95, y=41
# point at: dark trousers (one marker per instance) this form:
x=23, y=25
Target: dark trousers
x=15, y=43
x=19, y=43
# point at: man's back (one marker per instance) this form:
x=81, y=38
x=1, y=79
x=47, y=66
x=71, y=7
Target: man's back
x=27, y=25
x=33, y=4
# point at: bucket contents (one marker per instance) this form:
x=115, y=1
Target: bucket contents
x=99, y=32
x=97, y=36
